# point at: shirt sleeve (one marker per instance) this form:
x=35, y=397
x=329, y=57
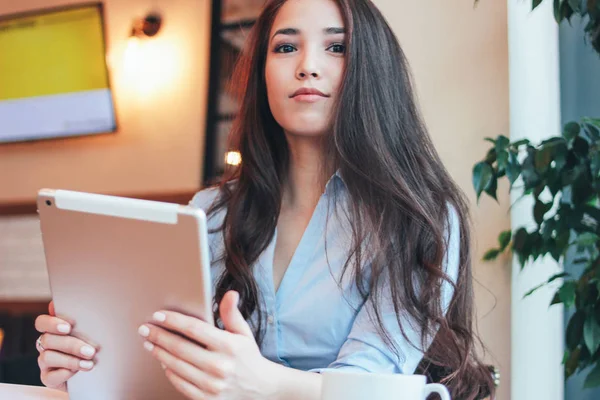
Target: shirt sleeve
x=365, y=350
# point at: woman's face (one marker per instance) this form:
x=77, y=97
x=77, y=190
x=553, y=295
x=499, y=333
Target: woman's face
x=304, y=65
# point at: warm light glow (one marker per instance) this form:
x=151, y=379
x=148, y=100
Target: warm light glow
x=233, y=158
x=151, y=66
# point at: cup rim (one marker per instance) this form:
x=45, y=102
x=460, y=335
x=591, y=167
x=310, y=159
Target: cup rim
x=386, y=375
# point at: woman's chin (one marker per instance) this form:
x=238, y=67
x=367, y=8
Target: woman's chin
x=304, y=133
x=309, y=127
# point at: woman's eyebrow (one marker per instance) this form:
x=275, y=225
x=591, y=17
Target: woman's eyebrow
x=296, y=31
x=334, y=31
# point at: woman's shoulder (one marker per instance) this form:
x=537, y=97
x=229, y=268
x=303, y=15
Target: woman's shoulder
x=205, y=198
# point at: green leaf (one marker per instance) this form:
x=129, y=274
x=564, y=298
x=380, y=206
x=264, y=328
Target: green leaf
x=536, y=3
x=595, y=163
x=575, y=5
x=562, y=239
x=555, y=252
x=571, y=130
x=543, y=158
x=491, y=255
x=592, y=211
x=580, y=260
x=519, y=239
x=558, y=276
x=587, y=239
x=530, y=292
x=492, y=187
x=513, y=169
x=581, y=147
x=557, y=16
x=566, y=11
x=592, y=130
x=482, y=175
x=593, y=378
x=572, y=362
x=502, y=143
x=594, y=121
x=591, y=334
x=489, y=139
x=566, y=355
x=554, y=141
x=521, y=142
x=536, y=244
x=502, y=160
x=538, y=190
x=539, y=210
x=588, y=120
x=550, y=280
x=490, y=157
x=555, y=299
x=567, y=294
x=560, y=156
x=504, y=239
x=528, y=170
x=553, y=181
x=567, y=178
x=575, y=330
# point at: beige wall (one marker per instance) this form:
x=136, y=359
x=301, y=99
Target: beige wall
x=160, y=109
x=459, y=58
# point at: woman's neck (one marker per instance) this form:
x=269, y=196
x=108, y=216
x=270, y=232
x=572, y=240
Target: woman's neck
x=306, y=178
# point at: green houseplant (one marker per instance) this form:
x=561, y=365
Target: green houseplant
x=562, y=175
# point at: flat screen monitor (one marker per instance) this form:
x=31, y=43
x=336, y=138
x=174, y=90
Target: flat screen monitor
x=53, y=75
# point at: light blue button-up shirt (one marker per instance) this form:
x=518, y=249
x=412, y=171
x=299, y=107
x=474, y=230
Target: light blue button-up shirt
x=314, y=323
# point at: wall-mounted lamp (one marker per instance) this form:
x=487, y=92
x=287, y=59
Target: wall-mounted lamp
x=148, y=26
x=151, y=61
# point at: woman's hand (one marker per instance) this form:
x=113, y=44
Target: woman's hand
x=61, y=355
x=209, y=363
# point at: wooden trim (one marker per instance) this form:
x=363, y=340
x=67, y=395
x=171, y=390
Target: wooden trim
x=24, y=306
x=26, y=207
x=18, y=208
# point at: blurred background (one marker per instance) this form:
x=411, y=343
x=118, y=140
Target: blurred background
x=130, y=97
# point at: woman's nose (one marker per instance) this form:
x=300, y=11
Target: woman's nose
x=308, y=67
x=303, y=74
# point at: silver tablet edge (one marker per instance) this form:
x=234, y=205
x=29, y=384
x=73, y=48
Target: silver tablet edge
x=145, y=210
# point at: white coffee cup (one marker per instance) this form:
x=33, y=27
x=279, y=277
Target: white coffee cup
x=340, y=385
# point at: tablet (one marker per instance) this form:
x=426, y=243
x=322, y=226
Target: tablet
x=112, y=262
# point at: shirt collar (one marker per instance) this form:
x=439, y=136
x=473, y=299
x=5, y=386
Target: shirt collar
x=335, y=183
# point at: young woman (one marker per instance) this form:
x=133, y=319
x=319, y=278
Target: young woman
x=339, y=242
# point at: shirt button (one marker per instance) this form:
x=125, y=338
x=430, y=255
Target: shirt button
x=270, y=319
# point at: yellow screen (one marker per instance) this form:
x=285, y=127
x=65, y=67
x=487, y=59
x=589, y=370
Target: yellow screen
x=55, y=53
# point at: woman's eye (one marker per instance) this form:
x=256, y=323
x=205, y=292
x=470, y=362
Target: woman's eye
x=284, y=48
x=337, y=48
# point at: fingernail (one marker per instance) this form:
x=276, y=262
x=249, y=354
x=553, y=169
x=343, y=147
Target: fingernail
x=148, y=346
x=63, y=328
x=144, y=330
x=158, y=316
x=163, y=366
x=86, y=364
x=87, y=350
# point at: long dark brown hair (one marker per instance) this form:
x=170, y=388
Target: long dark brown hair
x=397, y=186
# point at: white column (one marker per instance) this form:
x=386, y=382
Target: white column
x=537, y=330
